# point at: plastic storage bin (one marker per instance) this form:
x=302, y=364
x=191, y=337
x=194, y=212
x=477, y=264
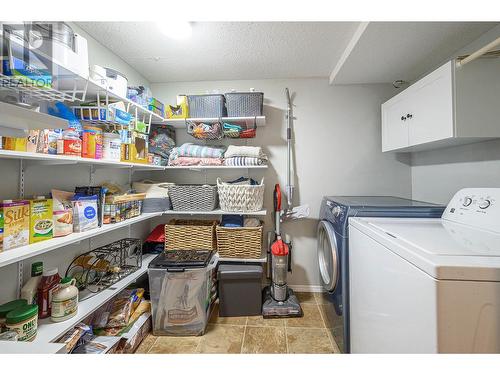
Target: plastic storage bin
x=208, y=105
x=236, y=281
x=182, y=289
x=193, y=197
x=244, y=104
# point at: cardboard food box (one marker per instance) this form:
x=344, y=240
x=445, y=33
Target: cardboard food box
x=16, y=223
x=41, y=220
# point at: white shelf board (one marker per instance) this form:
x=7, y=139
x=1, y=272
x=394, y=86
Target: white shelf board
x=49, y=331
x=63, y=159
x=201, y=167
x=215, y=212
x=24, y=252
x=13, y=116
x=26, y=347
x=262, y=259
x=181, y=123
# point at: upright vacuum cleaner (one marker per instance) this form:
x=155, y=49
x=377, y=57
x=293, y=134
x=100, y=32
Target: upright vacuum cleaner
x=279, y=299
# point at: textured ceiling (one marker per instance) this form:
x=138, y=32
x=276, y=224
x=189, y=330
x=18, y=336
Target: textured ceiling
x=388, y=51
x=385, y=52
x=227, y=50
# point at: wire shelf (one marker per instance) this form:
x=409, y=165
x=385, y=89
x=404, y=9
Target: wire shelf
x=41, y=92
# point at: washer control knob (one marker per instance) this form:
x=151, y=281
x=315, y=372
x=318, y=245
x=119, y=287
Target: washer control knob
x=467, y=201
x=484, y=203
x=336, y=211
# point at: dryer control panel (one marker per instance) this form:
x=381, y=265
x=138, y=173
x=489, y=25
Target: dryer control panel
x=478, y=207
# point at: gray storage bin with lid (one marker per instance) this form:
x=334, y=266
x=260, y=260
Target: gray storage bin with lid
x=240, y=290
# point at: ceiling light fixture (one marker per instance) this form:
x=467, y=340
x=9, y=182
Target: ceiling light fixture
x=176, y=29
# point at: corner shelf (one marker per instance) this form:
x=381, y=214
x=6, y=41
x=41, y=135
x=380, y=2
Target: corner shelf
x=49, y=331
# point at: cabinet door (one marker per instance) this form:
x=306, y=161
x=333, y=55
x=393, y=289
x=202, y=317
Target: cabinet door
x=432, y=117
x=394, y=123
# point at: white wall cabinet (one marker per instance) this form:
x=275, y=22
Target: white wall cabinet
x=450, y=106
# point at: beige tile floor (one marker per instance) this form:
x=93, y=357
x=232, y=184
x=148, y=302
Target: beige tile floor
x=253, y=334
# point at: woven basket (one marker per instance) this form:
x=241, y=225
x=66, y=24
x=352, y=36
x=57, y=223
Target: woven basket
x=244, y=104
x=209, y=105
x=240, y=198
x=193, y=197
x=243, y=242
x=190, y=235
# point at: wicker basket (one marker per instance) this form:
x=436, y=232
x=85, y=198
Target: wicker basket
x=243, y=242
x=240, y=198
x=193, y=197
x=209, y=105
x=244, y=104
x=190, y=235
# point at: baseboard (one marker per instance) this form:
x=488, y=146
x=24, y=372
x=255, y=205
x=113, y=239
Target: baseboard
x=307, y=288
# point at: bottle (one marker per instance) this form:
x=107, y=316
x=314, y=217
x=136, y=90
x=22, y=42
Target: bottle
x=29, y=290
x=64, y=301
x=46, y=289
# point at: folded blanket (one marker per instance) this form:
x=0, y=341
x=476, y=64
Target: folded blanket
x=199, y=151
x=186, y=161
x=250, y=151
x=243, y=161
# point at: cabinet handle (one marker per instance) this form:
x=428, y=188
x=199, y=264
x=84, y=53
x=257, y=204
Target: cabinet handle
x=403, y=118
x=409, y=115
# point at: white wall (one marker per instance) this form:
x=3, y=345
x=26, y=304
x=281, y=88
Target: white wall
x=100, y=55
x=337, y=150
x=474, y=165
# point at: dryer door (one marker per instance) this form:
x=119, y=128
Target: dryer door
x=328, y=256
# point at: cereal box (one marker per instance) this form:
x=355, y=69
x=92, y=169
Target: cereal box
x=41, y=221
x=1, y=229
x=16, y=226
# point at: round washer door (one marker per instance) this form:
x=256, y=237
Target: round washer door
x=328, y=256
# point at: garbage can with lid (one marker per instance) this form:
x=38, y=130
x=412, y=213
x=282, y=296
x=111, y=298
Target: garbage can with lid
x=240, y=290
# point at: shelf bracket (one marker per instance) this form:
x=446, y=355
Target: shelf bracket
x=20, y=277
x=21, y=178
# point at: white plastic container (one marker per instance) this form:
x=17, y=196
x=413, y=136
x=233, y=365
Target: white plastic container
x=29, y=290
x=65, y=301
x=117, y=82
x=112, y=146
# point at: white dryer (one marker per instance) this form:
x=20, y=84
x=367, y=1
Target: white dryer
x=428, y=285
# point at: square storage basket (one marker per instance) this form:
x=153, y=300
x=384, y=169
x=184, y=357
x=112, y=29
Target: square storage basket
x=242, y=242
x=190, y=235
x=240, y=198
x=209, y=105
x=244, y=104
x=193, y=197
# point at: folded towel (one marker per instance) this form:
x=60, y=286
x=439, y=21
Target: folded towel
x=243, y=161
x=187, y=161
x=242, y=181
x=251, y=222
x=232, y=221
x=250, y=151
x=199, y=151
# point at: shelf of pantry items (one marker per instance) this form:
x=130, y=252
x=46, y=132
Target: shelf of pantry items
x=215, y=212
x=49, y=331
x=16, y=117
x=62, y=159
x=181, y=122
x=24, y=252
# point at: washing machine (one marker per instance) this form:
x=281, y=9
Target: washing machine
x=428, y=285
x=333, y=248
